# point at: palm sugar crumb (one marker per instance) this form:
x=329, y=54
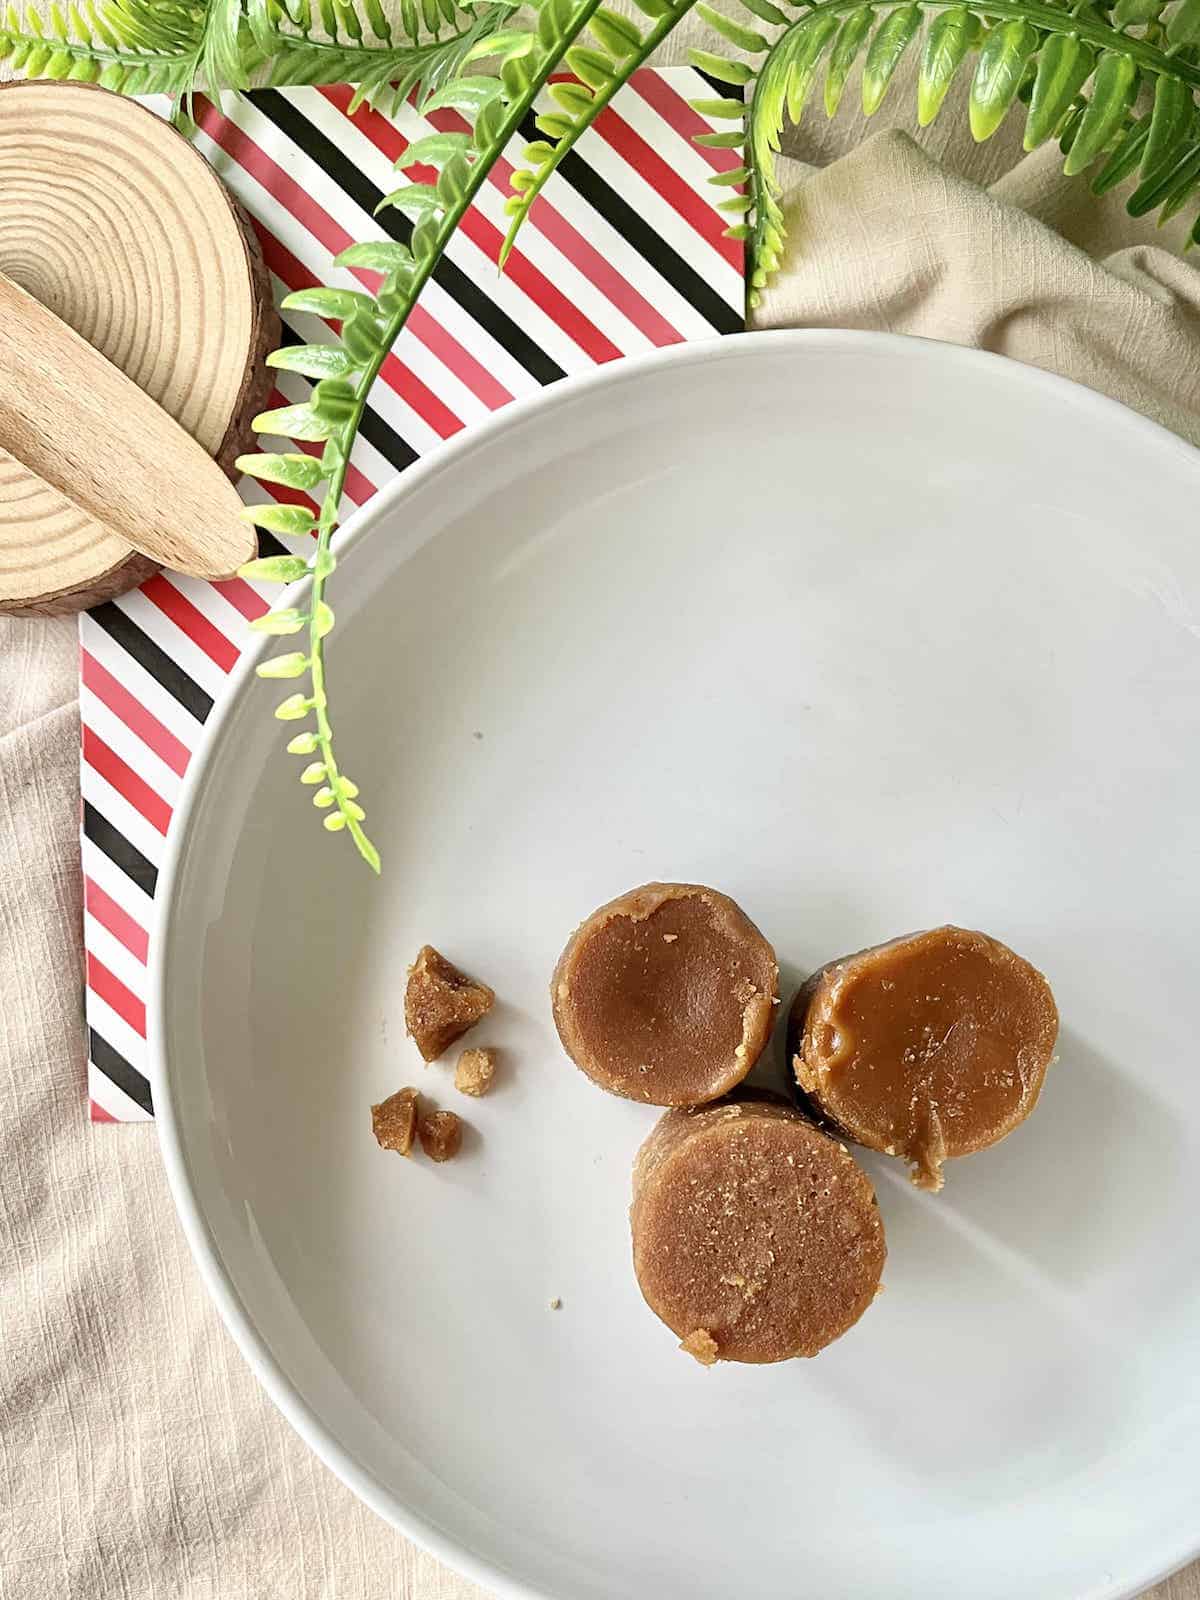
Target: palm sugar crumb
x=440, y=1133
x=394, y=1121
x=701, y=1344
x=475, y=1071
x=441, y=1003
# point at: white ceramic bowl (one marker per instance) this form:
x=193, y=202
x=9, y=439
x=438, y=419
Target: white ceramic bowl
x=872, y=634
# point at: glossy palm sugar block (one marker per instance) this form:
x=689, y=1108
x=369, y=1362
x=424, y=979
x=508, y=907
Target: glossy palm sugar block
x=929, y=1047
x=666, y=994
x=756, y=1237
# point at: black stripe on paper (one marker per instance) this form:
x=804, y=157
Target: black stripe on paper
x=115, y=1067
x=651, y=246
x=152, y=658
x=118, y=849
x=386, y=440
x=392, y=446
x=472, y=299
x=269, y=545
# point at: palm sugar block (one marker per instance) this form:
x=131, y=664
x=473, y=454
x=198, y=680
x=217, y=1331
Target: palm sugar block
x=441, y=1003
x=929, y=1047
x=666, y=994
x=394, y=1121
x=756, y=1237
x=440, y=1133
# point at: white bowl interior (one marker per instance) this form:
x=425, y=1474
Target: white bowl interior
x=872, y=635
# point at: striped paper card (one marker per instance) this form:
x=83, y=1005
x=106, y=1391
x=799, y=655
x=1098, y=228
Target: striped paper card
x=623, y=253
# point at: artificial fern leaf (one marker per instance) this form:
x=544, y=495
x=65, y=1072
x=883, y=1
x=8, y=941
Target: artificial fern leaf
x=379, y=255
x=580, y=106
x=1069, y=126
x=592, y=67
x=727, y=109
x=731, y=179
x=1064, y=65
x=1171, y=123
x=892, y=38
x=413, y=199
x=765, y=11
x=293, y=520
x=220, y=52
x=454, y=179
x=741, y=38
x=811, y=44
x=725, y=71
x=468, y=95
x=510, y=41
x=1124, y=158
x=1113, y=92
x=1179, y=196
x=951, y=36
x=1132, y=13
x=377, y=18
x=291, y=422
x=296, y=472
x=1174, y=185
x=361, y=337
x=846, y=49
x=434, y=150
x=313, y=360
x=261, y=22
x=334, y=304
x=615, y=33
x=1184, y=26
x=1003, y=58
x=575, y=100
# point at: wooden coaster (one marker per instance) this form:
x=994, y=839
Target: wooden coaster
x=121, y=229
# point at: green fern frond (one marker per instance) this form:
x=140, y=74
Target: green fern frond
x=1080, y=71
x=622, y=47
x=131, y=46
x=384, y=75
x=493, y=108
x=171, y=46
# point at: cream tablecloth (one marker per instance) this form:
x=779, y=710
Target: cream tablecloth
x=137, y=1456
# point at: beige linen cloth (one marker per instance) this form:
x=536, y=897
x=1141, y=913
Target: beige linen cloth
x=137, y=1456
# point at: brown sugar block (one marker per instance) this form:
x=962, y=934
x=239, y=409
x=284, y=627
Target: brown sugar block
x=929, y=1047
x=441, y=1003
x=756, y=1237
x=475, y=1071
x=666, y=995
x=394, y=1121
x=441, y=1135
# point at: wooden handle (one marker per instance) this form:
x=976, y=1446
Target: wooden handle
x=117, y=226
x=79, y=424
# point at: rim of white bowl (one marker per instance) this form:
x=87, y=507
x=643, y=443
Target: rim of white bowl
x=234, y=1313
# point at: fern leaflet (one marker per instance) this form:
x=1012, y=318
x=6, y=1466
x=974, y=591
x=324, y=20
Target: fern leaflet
x=493, y=109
